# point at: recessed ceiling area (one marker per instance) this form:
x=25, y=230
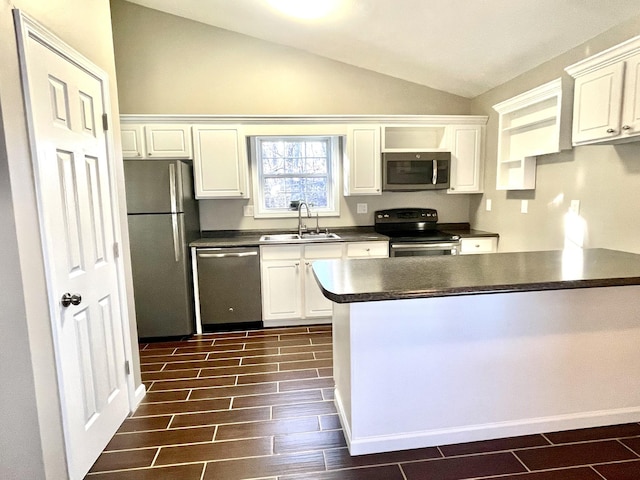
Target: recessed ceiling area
x=464, y=47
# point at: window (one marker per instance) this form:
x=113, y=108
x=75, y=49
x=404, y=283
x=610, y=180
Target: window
x=293, y=168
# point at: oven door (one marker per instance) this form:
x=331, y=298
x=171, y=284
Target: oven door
x=423, y=249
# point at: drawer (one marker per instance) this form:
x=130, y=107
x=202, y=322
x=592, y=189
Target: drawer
x=478, y=245
x=367, y=249
x=280, y=252
x=325, y=250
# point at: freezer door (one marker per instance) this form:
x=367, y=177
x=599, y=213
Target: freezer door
x=162, y=283
x=154, y=186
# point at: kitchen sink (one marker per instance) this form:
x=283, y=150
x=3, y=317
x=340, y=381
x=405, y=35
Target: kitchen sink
x=320, y=236
x=294, y=237
x=280, y=237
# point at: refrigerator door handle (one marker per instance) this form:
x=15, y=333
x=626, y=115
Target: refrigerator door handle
x=172, y=188
x=175, y=227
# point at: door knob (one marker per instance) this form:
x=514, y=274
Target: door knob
x=68, y=299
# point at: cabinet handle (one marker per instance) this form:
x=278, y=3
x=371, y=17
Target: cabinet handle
x=626, y=127
x=610, y=130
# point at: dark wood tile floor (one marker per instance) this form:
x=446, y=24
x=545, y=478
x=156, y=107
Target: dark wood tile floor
x=259, y=405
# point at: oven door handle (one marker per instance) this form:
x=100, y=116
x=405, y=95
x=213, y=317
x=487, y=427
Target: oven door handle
x=430, y=246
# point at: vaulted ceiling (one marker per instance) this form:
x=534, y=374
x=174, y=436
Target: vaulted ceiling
x=465, y=47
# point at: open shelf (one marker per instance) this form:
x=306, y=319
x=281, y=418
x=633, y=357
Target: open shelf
x=530, y=125
x=412, y=138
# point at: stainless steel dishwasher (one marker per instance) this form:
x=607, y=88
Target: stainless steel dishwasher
x=229, y=285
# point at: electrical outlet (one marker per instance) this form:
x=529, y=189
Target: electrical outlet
x=247, y=210
x=524, y=206
x=575, y=207
x=362, y=208
x=488, y=205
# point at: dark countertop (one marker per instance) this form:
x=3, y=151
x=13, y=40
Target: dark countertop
x=251, y=238
x=348, y=281
x=464, y=230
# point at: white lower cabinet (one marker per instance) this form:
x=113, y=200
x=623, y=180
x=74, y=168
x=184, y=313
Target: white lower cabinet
x=471, y=245
x=281, y=282
x=315, y=303
x=290, y=293
x=367, y=250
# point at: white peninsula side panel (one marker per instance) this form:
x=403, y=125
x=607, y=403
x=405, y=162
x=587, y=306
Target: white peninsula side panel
x=433, y=371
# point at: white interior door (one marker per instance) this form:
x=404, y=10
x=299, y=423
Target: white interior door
x=66, y=102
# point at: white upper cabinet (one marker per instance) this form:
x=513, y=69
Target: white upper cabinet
x=168, y=141
x=463, y=136
x=466, y=158
x=161, y=141
x=362, y=162
x=530, y=124
x=132, y=141
x=220, y=162
x=607, y=96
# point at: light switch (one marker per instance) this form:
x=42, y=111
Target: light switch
x=575, y=207
x=362, y=208
x=488, y=205
x=247, y=210
x=524, y=206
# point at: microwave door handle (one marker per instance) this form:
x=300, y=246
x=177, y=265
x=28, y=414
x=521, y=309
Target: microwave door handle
x=434, y=178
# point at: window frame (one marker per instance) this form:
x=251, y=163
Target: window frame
x=334, y=176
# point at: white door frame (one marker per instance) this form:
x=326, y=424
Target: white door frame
x=28, y=27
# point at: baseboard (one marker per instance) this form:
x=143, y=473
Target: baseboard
x=297, y=322
x=140, y=392
x=346, y=428
x=470, y=433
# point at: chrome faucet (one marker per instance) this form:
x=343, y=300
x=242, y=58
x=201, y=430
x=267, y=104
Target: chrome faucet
x=301, y=226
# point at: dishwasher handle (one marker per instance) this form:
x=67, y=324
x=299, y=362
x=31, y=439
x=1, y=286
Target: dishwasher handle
x=226, y=255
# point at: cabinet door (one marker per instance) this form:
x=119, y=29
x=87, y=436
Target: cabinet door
x=472, y=245
x=132, y=140
x=363, y=164
x=281, y=289
x=377, y=249
x=631, y=102
x=168, y=141
x=597, y=104
x=466, y=159
x=220, y=162
x=315, y=303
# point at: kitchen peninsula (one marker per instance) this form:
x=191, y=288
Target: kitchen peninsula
x=437, y=350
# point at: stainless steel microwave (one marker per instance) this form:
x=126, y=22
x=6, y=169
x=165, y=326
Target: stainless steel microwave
x=412, y=171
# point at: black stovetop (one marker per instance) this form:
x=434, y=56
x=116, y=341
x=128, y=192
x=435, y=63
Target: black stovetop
x=411, y=225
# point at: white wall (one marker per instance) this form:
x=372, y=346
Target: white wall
x=606, y=179
x=32, y=442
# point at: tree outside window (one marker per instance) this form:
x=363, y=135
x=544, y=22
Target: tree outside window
x=295, y=169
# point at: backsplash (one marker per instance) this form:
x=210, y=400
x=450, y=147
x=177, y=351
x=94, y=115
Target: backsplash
x=228, y=214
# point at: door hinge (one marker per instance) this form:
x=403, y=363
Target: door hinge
x=105, y=122
x=127, y=367
x=116, y=250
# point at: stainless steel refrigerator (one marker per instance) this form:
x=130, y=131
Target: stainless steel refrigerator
x=163, y=219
